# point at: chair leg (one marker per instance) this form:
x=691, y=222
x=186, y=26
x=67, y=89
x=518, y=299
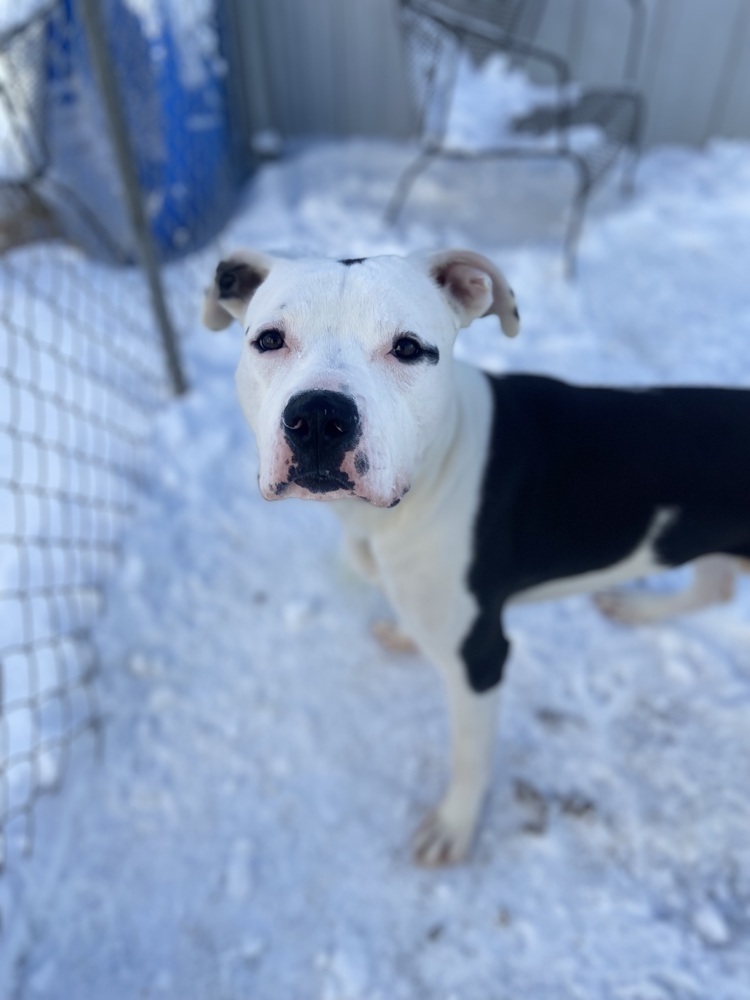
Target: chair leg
x=635, y=146
x=575, y=225
x=406, y=181
x=627, y=177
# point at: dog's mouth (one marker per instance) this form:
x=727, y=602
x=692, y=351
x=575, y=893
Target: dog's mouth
x=291, y=477
x=317, y=483
x=327, y=486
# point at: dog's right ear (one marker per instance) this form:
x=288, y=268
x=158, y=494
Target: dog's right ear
x=236, y=280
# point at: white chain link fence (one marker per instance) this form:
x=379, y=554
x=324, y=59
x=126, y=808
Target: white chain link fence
x=82, y=366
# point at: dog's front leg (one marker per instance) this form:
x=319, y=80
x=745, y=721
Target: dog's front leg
x=446, y=834
x=358, y=555
x=425, y=583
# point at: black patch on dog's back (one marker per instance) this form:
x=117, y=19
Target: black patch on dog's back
x=348, y=261
x=575, y=477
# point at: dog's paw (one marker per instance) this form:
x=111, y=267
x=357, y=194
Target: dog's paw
x=442, y=839
x=390, y=637
x=628, y=607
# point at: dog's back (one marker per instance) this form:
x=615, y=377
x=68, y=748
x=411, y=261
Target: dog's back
x=576, y=476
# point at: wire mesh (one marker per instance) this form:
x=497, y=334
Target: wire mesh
x=81, y=367
x=81, y=377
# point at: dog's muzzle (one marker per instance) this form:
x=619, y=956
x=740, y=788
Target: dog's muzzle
x=321, y=428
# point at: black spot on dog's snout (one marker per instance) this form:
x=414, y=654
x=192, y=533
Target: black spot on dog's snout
x=348, y=261
x=361, y=463
x=515, y=313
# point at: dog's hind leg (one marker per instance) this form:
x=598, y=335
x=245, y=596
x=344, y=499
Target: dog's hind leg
x=713, y=583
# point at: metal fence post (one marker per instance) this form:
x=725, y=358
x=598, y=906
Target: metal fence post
x=108, y=86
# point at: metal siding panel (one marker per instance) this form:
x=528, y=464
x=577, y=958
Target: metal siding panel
x=397, y=114
x=277, y=51
x=735, y=120
x=683, y=62
x=311, y=24
x=308, y=24
x=591, y=35
x=249, y=60
x=596, y=51
x=688, y=71
x=660, y=20
x=604, y=43
x=355, y=65
x=554, y=33
x=730, y=114
x=657, y=24
x=575, y=48
x=366, y=110
x=348, y=81
x=373, y=80
x=335, y=66
x=553, y=28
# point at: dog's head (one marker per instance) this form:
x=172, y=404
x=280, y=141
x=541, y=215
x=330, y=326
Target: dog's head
x=346, y=366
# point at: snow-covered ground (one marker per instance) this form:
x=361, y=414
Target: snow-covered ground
x=247, y=833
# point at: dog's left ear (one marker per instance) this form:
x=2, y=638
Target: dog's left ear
x=235, y=282
x=474, y=287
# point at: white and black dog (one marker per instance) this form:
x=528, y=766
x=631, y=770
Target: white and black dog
x=460, y=492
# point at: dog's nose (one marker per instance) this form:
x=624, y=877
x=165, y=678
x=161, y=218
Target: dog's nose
x=321, y=424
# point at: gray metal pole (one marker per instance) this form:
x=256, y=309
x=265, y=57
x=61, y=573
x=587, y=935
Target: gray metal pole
x=105, y=76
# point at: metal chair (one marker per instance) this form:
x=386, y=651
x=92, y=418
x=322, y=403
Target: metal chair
x=438, y=32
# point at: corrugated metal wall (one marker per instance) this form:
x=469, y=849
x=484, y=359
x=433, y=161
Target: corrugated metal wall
x=334, y=66
x=695, y=64
x=326, y=67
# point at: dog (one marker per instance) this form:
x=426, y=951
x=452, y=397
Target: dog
x=460, y=493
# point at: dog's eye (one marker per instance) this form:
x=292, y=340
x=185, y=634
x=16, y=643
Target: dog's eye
x=407, y=349
x=269, y=340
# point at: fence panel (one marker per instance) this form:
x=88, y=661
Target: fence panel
x=82, y=369
x=80, y=377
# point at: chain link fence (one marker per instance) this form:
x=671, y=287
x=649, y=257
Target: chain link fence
x=82, y=365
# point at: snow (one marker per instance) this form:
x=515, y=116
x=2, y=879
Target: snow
x=13, y=17
x=471, y=104
x=491, y=97
x=192, y=23
x=20, y=79
x=245, y=833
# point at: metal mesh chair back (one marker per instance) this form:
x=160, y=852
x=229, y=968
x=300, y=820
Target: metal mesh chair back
x=438, y=33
